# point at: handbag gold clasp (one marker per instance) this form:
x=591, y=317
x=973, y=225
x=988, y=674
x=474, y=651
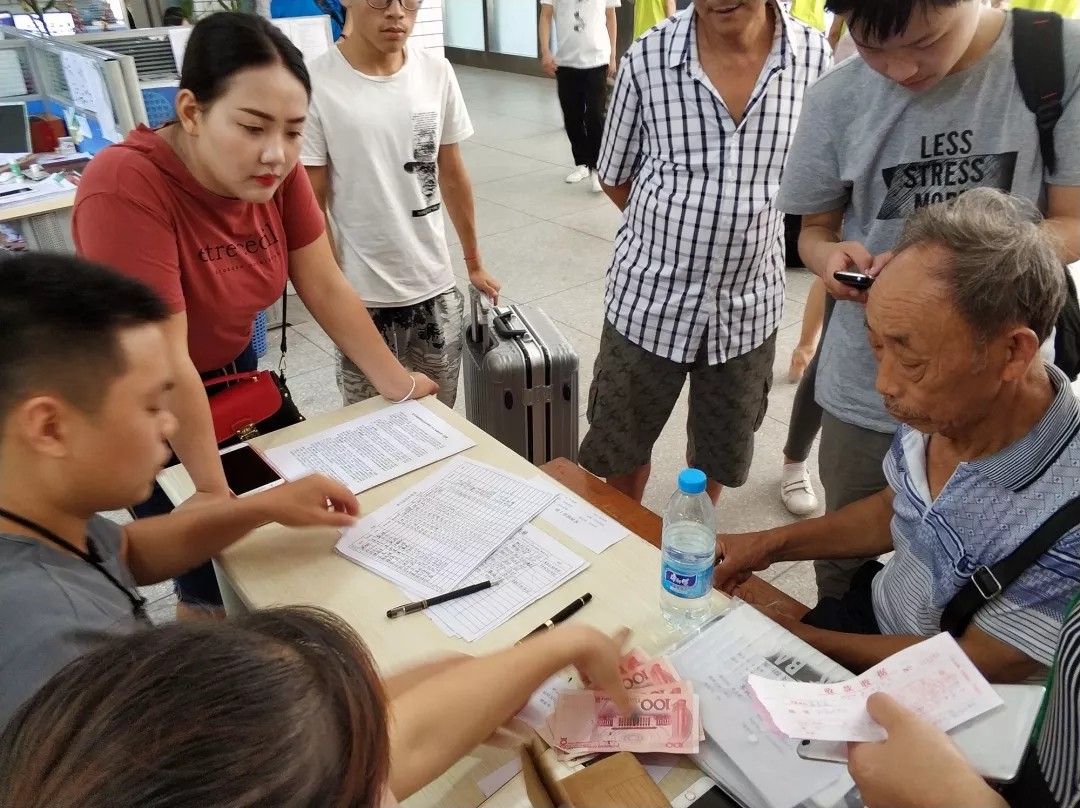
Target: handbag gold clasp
x=248, y=432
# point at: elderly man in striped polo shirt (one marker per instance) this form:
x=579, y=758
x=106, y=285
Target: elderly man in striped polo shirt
x=705, y=106
x=988, y=453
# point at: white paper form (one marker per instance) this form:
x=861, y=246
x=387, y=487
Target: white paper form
x=718, y=662
x=434, y=535
x=88, y=91
x=527, y=566
x=934, y=678
x=178, y=39
x=372, y=449
x=579, y=520
x=310, y=35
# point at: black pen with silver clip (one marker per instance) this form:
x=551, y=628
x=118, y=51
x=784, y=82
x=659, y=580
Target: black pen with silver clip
x=560, y=616
x=420, y=605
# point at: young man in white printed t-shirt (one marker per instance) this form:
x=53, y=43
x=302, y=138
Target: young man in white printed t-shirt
x=583, y=62
x=381, y=148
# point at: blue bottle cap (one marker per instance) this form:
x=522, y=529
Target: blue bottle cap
x=692, y=481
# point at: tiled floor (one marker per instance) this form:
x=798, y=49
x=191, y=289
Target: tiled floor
x=549, y=244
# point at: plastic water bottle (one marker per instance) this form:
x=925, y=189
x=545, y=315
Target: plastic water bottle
x=688, y=553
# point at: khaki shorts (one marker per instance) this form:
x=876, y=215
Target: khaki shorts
x=633, y=393
x=425, y=337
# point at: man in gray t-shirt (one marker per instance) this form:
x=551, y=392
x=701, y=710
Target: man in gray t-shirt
x=54, y=607
x=931, y=110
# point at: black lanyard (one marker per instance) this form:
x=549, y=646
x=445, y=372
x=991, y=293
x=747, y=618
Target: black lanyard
x=93, y=558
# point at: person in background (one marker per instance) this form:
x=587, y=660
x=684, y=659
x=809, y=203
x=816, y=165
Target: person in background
x=85, y=377
x=693, y=152
x=583, y=62
x=174, y=15
x=648, y=13
x=937, y=88
x=384, y=202
x=918, y=766
x=283, y=707
x=215, y=214
x=988, y=451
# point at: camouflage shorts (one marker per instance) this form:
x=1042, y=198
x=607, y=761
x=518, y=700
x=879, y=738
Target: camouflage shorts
x=425, y=337
x=633, y=393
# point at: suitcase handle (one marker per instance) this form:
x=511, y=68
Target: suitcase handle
x=477, y=331
x=501, y=324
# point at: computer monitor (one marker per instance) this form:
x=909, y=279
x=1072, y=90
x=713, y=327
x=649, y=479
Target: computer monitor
x=14, y=129
x=57, y=23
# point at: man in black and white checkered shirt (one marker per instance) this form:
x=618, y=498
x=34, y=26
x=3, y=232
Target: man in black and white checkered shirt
x=705, y=107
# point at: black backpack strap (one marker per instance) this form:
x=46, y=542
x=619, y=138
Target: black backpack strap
x=1039, y=62
x=989, y=582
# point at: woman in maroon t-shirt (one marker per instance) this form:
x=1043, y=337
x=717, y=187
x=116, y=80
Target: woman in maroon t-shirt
x=215, y=214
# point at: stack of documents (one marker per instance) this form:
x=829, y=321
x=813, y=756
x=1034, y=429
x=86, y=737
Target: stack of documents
x=529, y=565
x=756, y=765
x=465, y=523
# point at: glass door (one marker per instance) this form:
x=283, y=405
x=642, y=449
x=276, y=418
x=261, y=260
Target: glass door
x=495, y=34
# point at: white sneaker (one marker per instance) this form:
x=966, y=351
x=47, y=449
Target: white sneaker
x=578, y=174
x=796, y=491
x=597, y=189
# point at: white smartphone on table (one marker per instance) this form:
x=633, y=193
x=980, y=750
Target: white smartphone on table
x=705, y=793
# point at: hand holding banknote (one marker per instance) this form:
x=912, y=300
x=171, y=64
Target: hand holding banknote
x=665, y=715
x=596, y=656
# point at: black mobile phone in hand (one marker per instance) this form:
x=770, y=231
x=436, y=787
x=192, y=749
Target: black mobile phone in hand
x=856, y=280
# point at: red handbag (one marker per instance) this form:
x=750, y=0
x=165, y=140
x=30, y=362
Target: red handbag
x=252, y=404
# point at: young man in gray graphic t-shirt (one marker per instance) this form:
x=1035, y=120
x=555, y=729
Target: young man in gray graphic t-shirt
x=931, y=110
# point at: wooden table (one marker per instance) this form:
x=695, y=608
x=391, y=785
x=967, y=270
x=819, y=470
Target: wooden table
x=641, y=521
x=275, y=565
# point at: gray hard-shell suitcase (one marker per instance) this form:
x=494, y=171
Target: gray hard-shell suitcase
x=521, y=380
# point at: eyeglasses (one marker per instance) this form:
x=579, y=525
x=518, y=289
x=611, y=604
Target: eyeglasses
x=408, y=5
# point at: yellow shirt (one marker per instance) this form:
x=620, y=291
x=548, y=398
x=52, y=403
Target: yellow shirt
x=647, y=13
x=812, y=12
x=1066, y=8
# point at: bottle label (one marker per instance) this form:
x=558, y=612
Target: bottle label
x=686, y=583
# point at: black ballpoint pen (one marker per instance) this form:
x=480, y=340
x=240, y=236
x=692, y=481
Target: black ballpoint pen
x=420, y=605
x=560, y=616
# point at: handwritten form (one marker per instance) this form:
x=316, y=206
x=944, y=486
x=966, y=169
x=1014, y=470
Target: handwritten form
x=432, y=537
x=528, y=566
x=372, y=449
x=934, y=678
x=744, y=754
x=579, y=520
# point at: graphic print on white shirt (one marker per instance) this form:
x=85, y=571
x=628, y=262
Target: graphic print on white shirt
x=379, y=137
x=425, y=126
x=581, y=35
